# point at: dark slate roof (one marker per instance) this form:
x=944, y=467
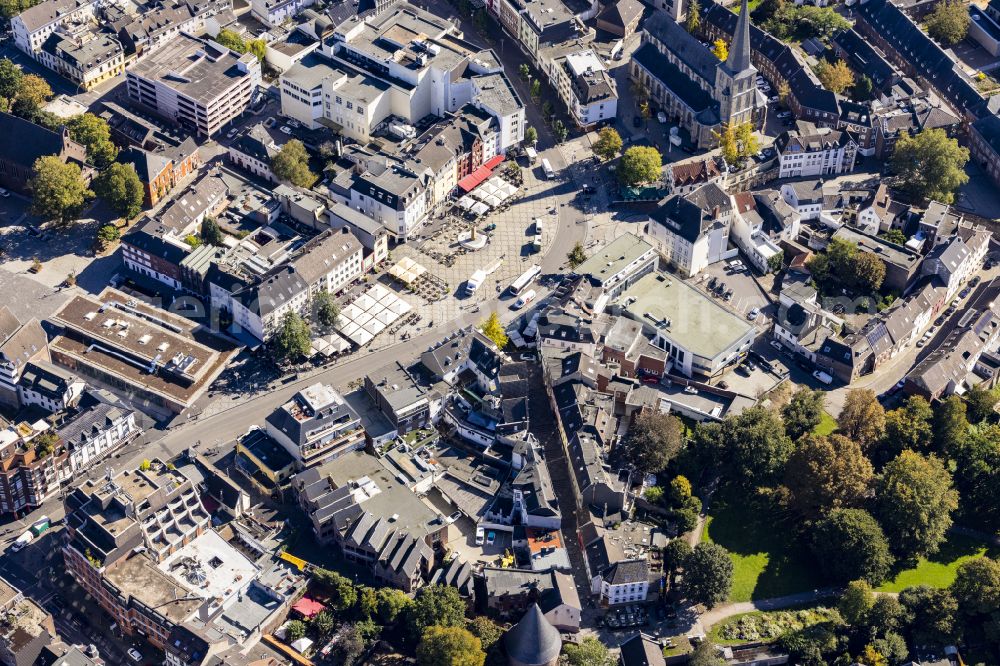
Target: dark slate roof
x=682, y=44
x=639, y=650
x=147, y=165
x=689, y=92
x=626, y=571
x=690, y=215
x=916, y=47
x=145, y=238
x=533, y=641
x=46, y=379
x=91, y=422
x=23, y=142
x=621, y=13
x=864, y=57
x=988, y=127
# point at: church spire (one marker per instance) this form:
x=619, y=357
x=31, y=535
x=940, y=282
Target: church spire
x=739, y=50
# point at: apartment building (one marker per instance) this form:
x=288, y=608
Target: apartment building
x=20, y=345
x=583, y=82
x=194, y=83
x=82, y=54
x=316, y=426
x=32, y=27
x=691, y=231
x=326, y=263
x=811, y=151
x=275, y=12
x=623, y=582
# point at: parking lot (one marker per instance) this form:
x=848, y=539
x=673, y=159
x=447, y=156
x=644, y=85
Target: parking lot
x=462, y=542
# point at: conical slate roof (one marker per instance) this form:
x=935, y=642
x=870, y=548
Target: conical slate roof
x=739, y=50
x=533, y=641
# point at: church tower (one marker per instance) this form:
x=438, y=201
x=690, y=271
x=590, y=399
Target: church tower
x=734, y=79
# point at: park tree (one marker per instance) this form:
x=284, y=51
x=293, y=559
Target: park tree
x=638, y=165
x=892, y=646
x=211, y=232
x=524, y=71
x=949, y=22
x=825, y=473
x=10, y=79
x=979, y=403
x=449, y=646
x=493, y=329
x=930, y=615
x=849, y=544
x=652, y=440
x=757, y=445
x=119, y=185
x=348, y=643
x=810, y=645
x=676, y=554
x=949, y=425
x=291, y=164
x=977, y=476
x=872, y=657
x=531, y=136
x=885, y=615
x=930, y=165
x=862, y=419
x=907, y=427
x=693, y=20
x=486, y=630
x=653, y=494
x=577, y=255
x=93, y=133
x=868, y=272
x=803, y=412
x=857, y=599
x=976, y=587
x=436, y=605
x=835, y=77
x=720, y=49
x=57, y=189
x=608, y=143
x=293, y=340
x=915, y=503
x=708, y=574
x=367, y=604
x=326, y=307
x=590, y=652
x=391, y=604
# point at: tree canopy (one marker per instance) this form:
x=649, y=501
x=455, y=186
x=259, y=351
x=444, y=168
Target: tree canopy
x=294, y=338
x=720, y=49
x=120, y=186
x=638, y=165
x=915, y=503
x=211, y=232
x=757, y=444
x=608, y=143
x=930, y=165
x=291, y=164
x=979, y=403
x=825, y=473
x=693, y=20
x=849, y=544
x=949, y=22
x=327, y=311
x=57, y=189
x=436, y=605
x=590, y=652
x=652, y=440
x=835, y=77
x=907, y=427
x=449, y=646
x=94, y=134
x=803, y=412
x=708, y=574
x=843, y=264
x=862, y=418
x=493, y=329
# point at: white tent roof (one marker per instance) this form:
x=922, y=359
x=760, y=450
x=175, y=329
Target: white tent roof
x=480, y=208
x=302, y=645
x=364, y=301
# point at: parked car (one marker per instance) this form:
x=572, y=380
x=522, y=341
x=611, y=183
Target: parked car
x=723, y=385
x=822, y=377
x=753, y=314
x=974, y=282
x=965, y=292
x=783, y=114
x=480, y=536
x=285, y=129
x=4, y=193
x=135, y=655
x=743, y=370
x=491, y=536
x=690, y=390
x=661, y=117
x=233, y=132
x=776, y=345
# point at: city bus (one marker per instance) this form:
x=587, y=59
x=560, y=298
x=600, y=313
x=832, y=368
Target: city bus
x=521, y=283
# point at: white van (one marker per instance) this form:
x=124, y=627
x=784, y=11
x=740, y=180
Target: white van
x=539, y=226
x=525, y=298
x=547, y=168
x=531, y=154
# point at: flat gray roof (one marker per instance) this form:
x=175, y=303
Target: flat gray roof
x=697, y=323
x=613, y=257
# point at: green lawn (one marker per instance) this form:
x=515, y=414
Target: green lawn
x=939, y=570
x=766, y=562
x=826, y=425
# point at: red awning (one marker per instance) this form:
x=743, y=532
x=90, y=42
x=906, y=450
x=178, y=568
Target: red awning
x=307, y=607
x=474, y=179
